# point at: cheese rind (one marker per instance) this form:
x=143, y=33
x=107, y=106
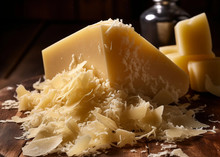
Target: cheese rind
x=121, y=55
x=193, y=36
x=198, y=71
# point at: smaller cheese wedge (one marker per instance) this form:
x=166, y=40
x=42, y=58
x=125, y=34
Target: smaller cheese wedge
x=183, y=60
x=193, y=36
x=121, y=55
x=199, y=70
x=168, y=49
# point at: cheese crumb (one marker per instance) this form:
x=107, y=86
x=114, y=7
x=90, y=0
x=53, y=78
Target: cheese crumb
x=133, y=151
x=168, y=146
x=10, y=88
x=175, y=152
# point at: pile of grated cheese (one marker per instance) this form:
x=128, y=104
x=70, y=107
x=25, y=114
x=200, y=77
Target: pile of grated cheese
x=78, y=113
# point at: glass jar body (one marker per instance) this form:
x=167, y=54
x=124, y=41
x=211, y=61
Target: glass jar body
x=157, y=23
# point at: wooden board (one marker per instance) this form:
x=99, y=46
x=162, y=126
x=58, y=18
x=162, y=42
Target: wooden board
x=201, y=146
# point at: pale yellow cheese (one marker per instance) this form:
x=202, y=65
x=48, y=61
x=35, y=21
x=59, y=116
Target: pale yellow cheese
x=193, y=54
x=168, y=49
x=182, y=60
x=121, y=55
x=193, y=36
x=198, y=70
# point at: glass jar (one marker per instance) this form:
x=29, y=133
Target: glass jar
x=157, y=23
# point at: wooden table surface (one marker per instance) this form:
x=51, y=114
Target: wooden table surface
x=21, y=43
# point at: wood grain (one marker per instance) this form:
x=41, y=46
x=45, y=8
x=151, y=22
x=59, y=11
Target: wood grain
x=201, y=146
x=9, y=146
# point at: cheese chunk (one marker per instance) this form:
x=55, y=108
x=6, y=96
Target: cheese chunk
x=193, y=54
x=121, y=55
x=168, y=49
x=199, y=70
x=193, y=36
x=182, y=60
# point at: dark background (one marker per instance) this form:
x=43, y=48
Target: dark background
x=95, y=10
x=89, y=11
x=28, y=26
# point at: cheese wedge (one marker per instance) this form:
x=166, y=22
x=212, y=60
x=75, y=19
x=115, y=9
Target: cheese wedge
x=193, y=36
x=183, y=60
x=121, y=55
x=199, y=70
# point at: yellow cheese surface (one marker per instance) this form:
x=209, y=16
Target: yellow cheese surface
x=183, y=60
x=198, y=70
x=168, y=49
x=121, y=55
x=87, y=42
x=193, y=36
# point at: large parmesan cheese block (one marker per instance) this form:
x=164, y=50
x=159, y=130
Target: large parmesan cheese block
x=193, y=36
x=121, y=55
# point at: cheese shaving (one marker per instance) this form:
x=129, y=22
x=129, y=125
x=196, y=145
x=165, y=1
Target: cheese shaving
x=42, y=146
x=10, y=104
x=175, y=152
x=168, y=146
x=133, y=151
x=78, y=113
x=178, y=152
x=159, y=154
x=214, y=121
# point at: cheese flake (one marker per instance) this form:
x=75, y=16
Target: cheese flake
x=42, y=146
